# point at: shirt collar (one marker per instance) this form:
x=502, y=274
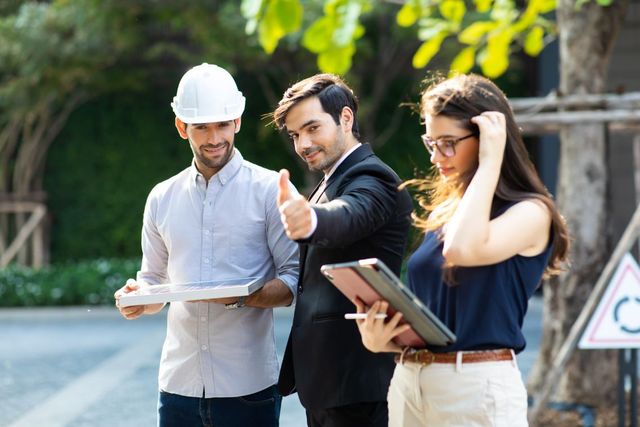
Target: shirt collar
x=340, y=160
x=223, y=175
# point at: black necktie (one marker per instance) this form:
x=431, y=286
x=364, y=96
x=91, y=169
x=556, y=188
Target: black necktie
x=317, y=195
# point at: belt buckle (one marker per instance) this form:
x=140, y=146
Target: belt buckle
x=425, y=352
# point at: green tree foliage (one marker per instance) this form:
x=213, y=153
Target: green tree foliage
x=60, y=56
x=55, y=56
x=49, y=57
x=119, y=140
x=115, y=147
x=487, y=31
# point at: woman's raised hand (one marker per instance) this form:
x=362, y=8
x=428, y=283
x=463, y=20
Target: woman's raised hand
x=493, y=137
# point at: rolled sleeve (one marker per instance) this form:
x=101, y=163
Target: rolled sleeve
x=153, y=269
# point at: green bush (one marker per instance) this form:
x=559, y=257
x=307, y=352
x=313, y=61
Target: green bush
x=85, y=283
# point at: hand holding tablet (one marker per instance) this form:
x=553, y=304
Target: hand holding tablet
x=370, y=280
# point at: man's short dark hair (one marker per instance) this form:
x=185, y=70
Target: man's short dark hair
x=331, y=90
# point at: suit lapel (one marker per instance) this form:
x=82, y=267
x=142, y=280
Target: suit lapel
x=354, y=158
x=319, y=194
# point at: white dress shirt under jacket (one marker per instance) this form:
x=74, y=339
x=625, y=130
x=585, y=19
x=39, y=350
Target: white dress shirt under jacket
x=314, y=216
x=229, y=228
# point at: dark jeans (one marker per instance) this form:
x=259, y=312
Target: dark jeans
x=365, y=414
x=261, y=409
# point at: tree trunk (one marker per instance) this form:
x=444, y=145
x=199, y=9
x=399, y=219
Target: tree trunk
x=587, y=36
x=24, y=144
x=9, y=136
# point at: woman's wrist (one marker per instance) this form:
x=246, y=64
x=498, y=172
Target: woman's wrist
x=490, y=166
x=395, y=348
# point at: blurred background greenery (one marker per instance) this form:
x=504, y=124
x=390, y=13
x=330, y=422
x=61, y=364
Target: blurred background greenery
x=90, y=83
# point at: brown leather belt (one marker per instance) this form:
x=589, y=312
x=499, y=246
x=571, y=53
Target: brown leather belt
x=426, y=357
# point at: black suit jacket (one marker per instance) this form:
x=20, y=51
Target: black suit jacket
x=361, y=215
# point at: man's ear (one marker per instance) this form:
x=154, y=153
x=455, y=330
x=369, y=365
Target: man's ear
x=346, y=119
x=182, y=128
x=237, y=122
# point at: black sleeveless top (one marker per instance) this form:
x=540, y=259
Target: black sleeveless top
x=486, y=306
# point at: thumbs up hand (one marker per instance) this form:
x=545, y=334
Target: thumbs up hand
x=284, y=193
x=295, y=210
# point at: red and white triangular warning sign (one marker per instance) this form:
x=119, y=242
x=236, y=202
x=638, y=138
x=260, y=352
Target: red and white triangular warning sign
x=616, y=321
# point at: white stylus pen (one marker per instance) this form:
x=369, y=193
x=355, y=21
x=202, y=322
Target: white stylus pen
x=363, y=316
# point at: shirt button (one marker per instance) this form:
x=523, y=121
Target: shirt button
x=204, y=348
x=204, y=319
x=206, y=260
x=206, y=232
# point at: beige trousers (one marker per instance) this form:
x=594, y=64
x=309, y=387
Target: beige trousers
x=458, y=395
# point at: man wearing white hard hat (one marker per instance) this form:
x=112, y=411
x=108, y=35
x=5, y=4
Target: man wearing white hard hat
x=216, y=219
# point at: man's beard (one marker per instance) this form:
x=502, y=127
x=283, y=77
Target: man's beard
x=331, y=157
x=216, y=163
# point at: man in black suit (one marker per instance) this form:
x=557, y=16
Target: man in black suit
x=355, y=212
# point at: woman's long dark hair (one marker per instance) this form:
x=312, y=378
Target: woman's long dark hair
x=461, y=98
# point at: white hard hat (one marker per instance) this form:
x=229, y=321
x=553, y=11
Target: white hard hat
x=207, y=94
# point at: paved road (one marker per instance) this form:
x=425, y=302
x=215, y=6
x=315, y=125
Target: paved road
x=76, y=367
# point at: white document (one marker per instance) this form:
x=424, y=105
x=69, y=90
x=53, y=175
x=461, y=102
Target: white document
x=192, y=291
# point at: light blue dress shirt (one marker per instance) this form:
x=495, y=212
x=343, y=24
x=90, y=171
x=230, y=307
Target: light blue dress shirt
x=228, y=228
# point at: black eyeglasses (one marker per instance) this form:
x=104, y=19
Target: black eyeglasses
x=446, y=146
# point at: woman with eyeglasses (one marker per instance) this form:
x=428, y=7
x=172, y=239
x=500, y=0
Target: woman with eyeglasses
x=492, y=233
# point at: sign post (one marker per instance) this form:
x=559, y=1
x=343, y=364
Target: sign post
x=628, y=363
x=615, y=324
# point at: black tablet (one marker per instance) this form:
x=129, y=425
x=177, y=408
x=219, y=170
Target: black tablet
x=371, y=280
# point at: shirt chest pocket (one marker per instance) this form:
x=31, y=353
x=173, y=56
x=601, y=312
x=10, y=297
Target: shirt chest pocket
x=241, y=245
